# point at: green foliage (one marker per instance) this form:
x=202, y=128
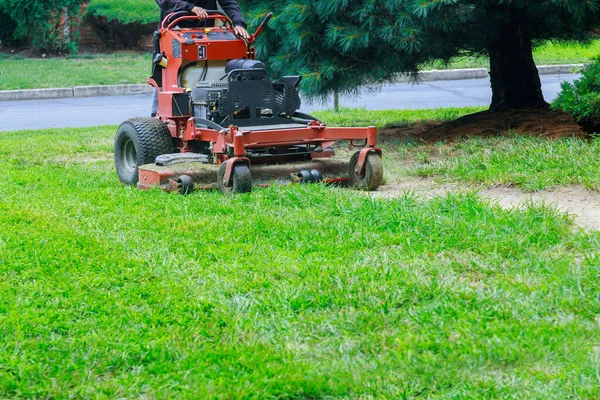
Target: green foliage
x=7, y=28
x=582, y=98
x=294, y=292
x=42, y=22
x=125, y=11
x=343, y=45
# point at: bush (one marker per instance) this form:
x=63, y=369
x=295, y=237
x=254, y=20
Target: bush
x=115, y=35
x=7, y=28
x=122, y=24
x=124, y=11
x=41, y=22
x=582, y=98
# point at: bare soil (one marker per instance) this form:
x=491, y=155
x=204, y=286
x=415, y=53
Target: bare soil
x=535, y=122
x=582, y=204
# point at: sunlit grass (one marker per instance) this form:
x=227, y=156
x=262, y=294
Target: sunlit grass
x=391, y=118
x=528, y=162
x=548, y=53
x=532, y=163
x=287, y=292
x=120, y=68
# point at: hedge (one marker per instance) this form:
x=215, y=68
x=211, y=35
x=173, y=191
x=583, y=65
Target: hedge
x=124, y=11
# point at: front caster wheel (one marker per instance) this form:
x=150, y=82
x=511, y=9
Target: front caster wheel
x=187, y=184
x=372, y=175
x=241, y=180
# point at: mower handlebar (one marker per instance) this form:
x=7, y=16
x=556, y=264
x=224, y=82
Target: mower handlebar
x=176, y=17
x=263, y=23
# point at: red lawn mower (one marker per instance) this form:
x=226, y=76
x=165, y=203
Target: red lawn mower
x=220, y=117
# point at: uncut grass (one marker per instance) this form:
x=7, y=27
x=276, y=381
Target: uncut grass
x=296, y=292
x=532, y=163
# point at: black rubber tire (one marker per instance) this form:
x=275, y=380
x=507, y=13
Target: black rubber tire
x=317, y=176
x=241, y=179
x=187, y=184
x=139, y=141
x=372, y=175
x=304, y=176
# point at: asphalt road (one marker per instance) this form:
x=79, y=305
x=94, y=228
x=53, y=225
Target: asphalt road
x=96, y=111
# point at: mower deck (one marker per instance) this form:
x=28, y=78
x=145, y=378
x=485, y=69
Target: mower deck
x=204, y=176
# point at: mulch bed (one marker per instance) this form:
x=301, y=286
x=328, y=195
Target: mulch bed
x=535, y=122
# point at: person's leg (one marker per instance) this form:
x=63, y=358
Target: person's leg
x=154, y=108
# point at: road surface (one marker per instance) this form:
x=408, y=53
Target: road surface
x=96, y=111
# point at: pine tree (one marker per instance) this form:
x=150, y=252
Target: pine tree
x=343, y=45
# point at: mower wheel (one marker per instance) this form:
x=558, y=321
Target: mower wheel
x=187, y=184
x=241, y=179
x=139, y=141
x=372, y=175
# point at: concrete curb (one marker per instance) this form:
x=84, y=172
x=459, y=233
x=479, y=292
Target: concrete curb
x=76, y=91
x=120, y=90
x=478, y=73
x=560, y=69
x=445, y=75
x=110, y=90
x=35, y=94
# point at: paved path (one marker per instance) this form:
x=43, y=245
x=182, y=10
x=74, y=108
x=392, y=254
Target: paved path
x=95, y=111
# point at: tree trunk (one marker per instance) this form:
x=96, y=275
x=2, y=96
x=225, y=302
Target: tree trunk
x=514, y=77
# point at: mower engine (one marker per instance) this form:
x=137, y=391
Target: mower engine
x=213, y=101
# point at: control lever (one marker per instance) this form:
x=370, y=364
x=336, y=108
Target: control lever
x=264, y=23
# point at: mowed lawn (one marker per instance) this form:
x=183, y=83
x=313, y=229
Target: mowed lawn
x=287, y=292
x=32, y=73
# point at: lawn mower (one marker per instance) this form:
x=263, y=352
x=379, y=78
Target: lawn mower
x=220, y=114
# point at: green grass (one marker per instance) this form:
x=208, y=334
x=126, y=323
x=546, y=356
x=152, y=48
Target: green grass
x=391, y=118
x=120, y=68
x=528, y=162
x=288, y=292
x=532, y=163
x=546, y=54
x=19, y=73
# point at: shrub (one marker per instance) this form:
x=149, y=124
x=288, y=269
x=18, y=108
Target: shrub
x=7, y=28
x=41, y=22
x=582, y=98
x=124, y=11
x=122, y=23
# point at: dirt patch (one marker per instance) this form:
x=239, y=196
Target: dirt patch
x=537, y=122
x=581, y=203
